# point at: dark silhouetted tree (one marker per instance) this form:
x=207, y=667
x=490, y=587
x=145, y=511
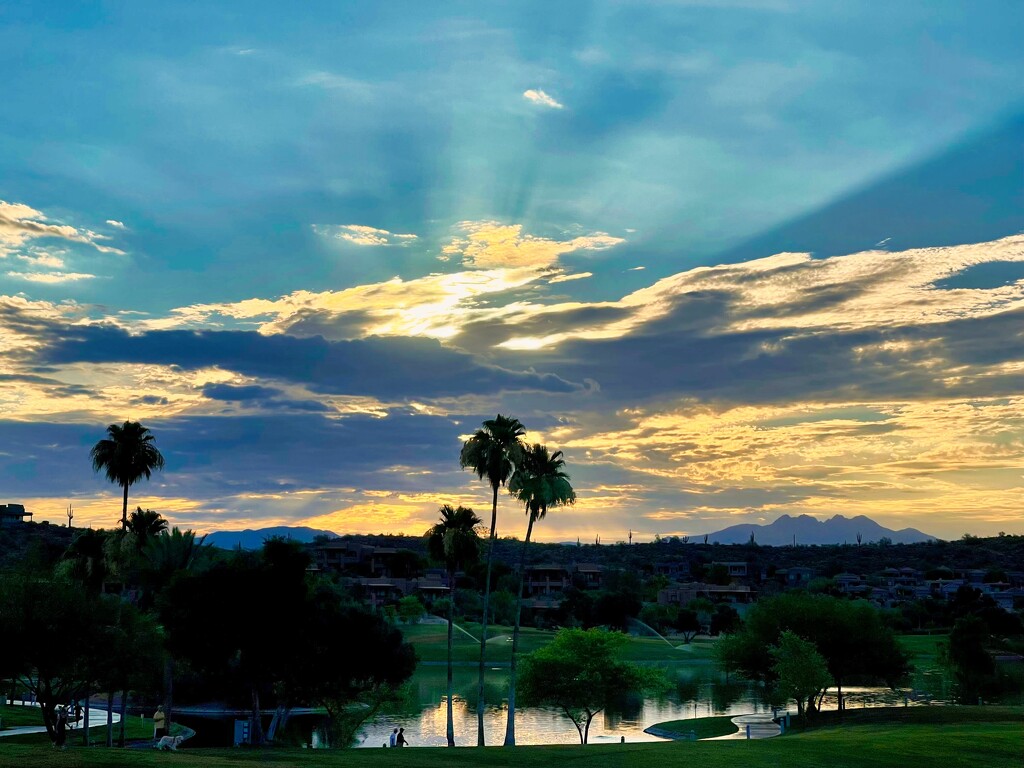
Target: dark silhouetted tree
x=126, y=456
x=492, y=452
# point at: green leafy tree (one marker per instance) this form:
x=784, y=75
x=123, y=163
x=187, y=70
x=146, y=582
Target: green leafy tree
x=454, y=541
x=967, y=657
x=581, y=673
x=410, y=609
x=56, y=636
x=540, y=483
x=126, y=455
x=851, y=635
x=802, y=672
x=345, y=659
x=492, y=452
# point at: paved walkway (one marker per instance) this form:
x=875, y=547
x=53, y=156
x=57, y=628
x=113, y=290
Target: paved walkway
x=760, y=727
x=97, y=718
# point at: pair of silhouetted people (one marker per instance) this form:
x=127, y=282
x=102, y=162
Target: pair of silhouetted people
x=397, y=738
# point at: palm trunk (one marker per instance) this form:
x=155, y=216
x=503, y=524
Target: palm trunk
x=124, y=510
x=110, y=718
x=168, y=690
x=451, y=623
x=510, y=723
x=85, y=724
x=257, y=718
x=483, y=627
x=124, y=715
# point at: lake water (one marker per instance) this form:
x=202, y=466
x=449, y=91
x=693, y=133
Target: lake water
x=700, y=691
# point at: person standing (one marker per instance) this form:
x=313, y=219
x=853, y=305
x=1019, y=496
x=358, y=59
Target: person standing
x=159, y=723
x=401, y=738
x=393, y=738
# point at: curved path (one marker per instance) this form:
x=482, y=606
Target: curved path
x=97, y=718
x=761, y=727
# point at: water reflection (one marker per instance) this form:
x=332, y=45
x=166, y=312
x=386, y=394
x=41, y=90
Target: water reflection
x=696, y=693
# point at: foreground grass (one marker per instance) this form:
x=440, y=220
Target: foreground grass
x=961, y=745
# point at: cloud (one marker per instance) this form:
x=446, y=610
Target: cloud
x=492, y=245
x=116, y=224
x=333, y=81
x=541, y=99
x=50, y=278
x=567, y=278
x=387, y=368
x=20, y=223
x=359, y=234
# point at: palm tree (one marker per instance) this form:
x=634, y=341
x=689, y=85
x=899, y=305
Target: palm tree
x=146, y=524
x=539, y=483
x=127, y=455
x=168, y=554
x=492, y=452
x=453, y=540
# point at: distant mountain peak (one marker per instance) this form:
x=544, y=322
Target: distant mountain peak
x=806, y=529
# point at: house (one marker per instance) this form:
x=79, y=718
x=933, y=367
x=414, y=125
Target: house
x=795, y=578
x=588, y=575
x=545, y=579
x=684, y=594
x=735, y=570
x=13, y=513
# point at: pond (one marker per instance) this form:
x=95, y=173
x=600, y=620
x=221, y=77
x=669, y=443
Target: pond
x=699, y=691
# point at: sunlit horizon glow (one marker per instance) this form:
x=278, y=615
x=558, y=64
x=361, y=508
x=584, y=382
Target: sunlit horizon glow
x=730, y=284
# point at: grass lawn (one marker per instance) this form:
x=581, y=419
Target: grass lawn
x=994, y=744
x=18, y=716
x=924, y=650
x=703, y=727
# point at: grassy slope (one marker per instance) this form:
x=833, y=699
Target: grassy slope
x=966, y=745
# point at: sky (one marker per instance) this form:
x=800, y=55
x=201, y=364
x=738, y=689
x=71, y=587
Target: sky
x=735, y=259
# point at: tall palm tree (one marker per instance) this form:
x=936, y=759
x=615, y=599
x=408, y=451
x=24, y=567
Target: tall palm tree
x=539, y=483
x=127, y=455
x=492, y=452
x=454, y=541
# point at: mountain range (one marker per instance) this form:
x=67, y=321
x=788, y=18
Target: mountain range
x=805, y=529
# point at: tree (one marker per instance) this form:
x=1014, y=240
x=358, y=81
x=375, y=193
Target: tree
x=55, y=637
x=168, y=556
x=687, y=624
x=126, y=455
x=972, y=666
x=851, y=636
x=492, y=452
x=145, y=524
x=581, y=673
x=345, y=659
x=454, y=541
x=539, y=483
x=801, y=670
x=410, y=609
